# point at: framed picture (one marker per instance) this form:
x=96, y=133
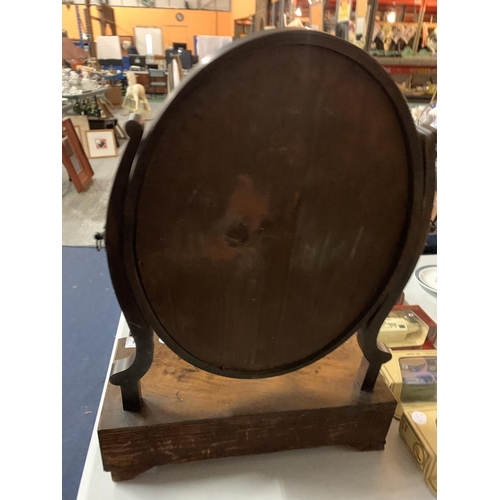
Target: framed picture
x=78, y=133
x=74, y=158
x=82, y=122
x=101, y=143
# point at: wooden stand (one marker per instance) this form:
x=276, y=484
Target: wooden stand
x=108, y=114
x=189, y=414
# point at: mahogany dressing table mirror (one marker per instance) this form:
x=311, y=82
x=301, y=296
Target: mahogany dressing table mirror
x=276, y=208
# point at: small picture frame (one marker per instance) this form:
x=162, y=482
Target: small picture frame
x=74, y=158
x=78, y=133
x=101, y=143
x=82, y=122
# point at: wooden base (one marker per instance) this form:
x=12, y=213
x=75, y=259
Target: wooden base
x=192, y=415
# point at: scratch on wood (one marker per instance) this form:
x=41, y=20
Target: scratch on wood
x=166, y=452
x=356, y=242
x=124, y=446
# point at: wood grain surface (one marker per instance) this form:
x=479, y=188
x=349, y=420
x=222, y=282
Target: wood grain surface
x=189, y=414
x=273, y=207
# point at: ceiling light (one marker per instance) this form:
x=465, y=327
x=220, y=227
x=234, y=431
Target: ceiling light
x=391, y=17
x=298, y=12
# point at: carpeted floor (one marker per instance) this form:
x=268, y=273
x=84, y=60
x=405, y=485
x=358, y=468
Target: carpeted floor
x=90, y=319
x=90, y=310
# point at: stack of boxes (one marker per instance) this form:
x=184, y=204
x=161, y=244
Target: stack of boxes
x=411, y=375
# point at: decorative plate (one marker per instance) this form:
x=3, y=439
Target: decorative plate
x=427, y=278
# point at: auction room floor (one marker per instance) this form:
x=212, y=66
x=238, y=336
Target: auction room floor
x=84, y=214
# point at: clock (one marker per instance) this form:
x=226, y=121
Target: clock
x=179, y=16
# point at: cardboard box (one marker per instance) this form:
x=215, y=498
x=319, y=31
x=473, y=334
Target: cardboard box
x=418, y=428
x=114, y=95
x=411, y=377
x=408, y=327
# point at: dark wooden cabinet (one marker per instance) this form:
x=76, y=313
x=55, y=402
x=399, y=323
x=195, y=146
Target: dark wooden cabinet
x=143, y=78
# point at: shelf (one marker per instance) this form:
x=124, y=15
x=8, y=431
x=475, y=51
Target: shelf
x=421, y=62
x=431, y=26
x=408, y=65
x=417, y=98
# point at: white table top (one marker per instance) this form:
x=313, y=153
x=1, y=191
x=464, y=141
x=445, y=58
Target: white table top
x=327, y=473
